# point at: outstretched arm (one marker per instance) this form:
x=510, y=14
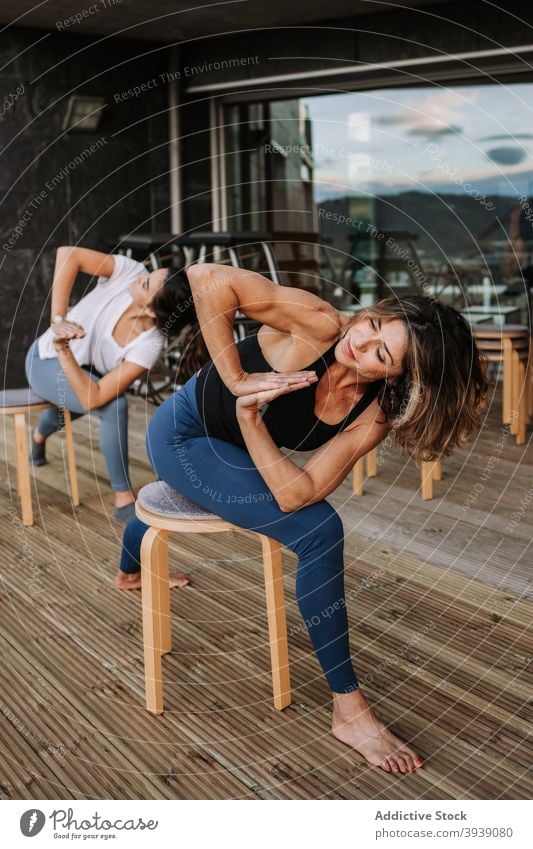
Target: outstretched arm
x=294, y=487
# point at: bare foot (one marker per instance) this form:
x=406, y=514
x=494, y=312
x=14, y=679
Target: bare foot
x=38, y=437
x=132, y=581
x=356, y=724
x=122, y=499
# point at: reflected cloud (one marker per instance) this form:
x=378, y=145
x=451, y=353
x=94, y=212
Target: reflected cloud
x=506, y=155
x=394, y=120
x=431, y=115
x=432, y=133
x=507, y=137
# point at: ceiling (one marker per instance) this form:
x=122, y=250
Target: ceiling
x=178, y=20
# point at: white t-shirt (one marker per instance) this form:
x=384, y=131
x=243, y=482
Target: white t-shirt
x=98, y=313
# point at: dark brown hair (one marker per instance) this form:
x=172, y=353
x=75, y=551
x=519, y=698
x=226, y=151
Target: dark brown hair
x=436, y=403
x=175, y=315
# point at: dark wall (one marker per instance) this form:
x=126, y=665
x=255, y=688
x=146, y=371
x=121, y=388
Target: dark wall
x=195, y=152
x=440, y=29
x=50, y=198
x=402, y=33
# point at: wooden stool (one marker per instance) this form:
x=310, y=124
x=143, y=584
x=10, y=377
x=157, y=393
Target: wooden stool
x=166, y=510
x=429, y=472
x=19, y=403
x=511, y=346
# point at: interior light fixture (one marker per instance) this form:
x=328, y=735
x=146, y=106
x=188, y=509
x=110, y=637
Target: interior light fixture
x=84, y=114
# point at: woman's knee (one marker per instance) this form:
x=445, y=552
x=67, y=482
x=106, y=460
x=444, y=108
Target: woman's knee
x=36, y=371
x=117, y=408
x=334, y=528
x=322, y=526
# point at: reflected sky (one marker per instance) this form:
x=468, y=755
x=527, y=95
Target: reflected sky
x=428, y=139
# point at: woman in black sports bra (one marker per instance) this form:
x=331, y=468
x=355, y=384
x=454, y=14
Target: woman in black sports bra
x=290, y=418
x=406, y=364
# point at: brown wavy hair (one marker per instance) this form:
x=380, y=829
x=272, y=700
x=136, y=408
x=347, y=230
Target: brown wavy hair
x=436, y=403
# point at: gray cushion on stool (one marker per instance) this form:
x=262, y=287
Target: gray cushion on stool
x=160, y=498
x=20, y=398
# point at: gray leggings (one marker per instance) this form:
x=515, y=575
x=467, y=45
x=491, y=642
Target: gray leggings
x=47, y=379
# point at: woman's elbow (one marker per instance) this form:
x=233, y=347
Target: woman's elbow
x=66, y=250
x=289, y=505
x=199, y=272
x=92, y=401
x=303, y=494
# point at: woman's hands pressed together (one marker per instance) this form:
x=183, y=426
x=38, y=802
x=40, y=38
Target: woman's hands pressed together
x=284, y=478
x=62, y=343
x=256, y=389
x=68, y=330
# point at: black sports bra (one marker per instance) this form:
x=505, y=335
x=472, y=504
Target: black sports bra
x=290, y=418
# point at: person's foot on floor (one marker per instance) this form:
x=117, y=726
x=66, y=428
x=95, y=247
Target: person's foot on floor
x=132, y=580
x=124, y=514
x=356, y=724
x=38, y=450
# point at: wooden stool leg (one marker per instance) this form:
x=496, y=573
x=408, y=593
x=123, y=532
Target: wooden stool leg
x=358, y=475
x=277, y=622
x=437, y=470
x=71, y=458
x=164, y=601
x=529, y=381
x=521, y=399
x=426, y=474
x=372, y=463
x=515, y=392
x=23, y=468
x=507, y=382
x=154, y=569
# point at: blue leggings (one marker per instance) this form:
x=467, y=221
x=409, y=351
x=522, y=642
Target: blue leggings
x=47, y=379
x=222, y=478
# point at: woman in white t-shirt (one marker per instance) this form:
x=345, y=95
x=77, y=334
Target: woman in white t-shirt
x=93, y=352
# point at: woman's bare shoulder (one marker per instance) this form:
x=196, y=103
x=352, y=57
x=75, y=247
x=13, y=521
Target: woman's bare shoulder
x=291, y=351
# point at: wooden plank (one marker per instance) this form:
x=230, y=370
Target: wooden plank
x=73, y=667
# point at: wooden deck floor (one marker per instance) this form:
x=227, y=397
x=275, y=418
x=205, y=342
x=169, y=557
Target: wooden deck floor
x=440, y=609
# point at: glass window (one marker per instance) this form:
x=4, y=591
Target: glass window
x=423, y=189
